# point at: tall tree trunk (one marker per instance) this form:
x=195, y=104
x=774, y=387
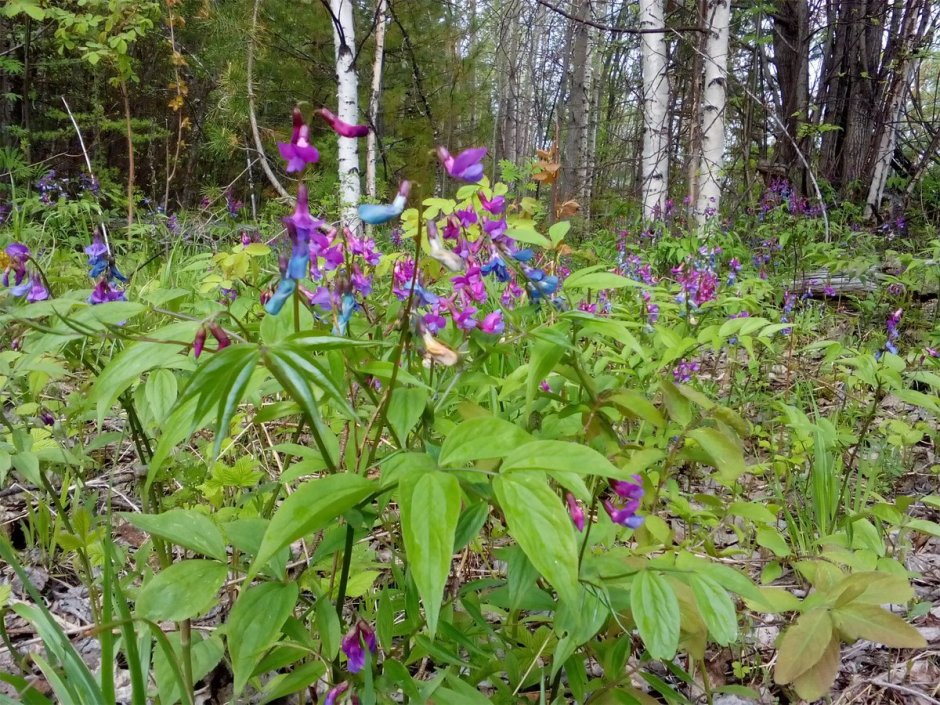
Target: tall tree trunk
x=347, y=93
x=713, y=108
x=572, y=169
x=695, y=113
x=371, y=140
x=655, y=107
x=791, y=59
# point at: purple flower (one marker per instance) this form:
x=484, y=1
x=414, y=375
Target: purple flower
x=341, y=127
x=497, y=267
x=15, y=261
x=103, y=293
x=464, y=319
x=829, y=291
x=471, y=284
x=298, y=152
x=199, y=342
x=575, y=511
x=334, y=693
x=321, y=297
x=683, y=372
x=466, y=166
x=629, y=490
x=467, y=217
x=434, y=321
x=363, y=247
x=495, y=228
x=493, y=323
x=47, y=418
x=37, y=290
x=625, y=515
x=494, y=205
x=355, y=643
x=892, y=325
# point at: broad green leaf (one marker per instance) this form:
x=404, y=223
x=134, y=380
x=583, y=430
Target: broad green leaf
x=803, y=645
x=638, y=406
x=311, y=507
x=183, y=590
x=206, y=653
x=716, y=609
x=405, y=410
x=878, y=588
x=562, y=456
x=529, y=237
x=558, y=231
x=815, y=682
x=724, y=452
x=544, y=353
x=656, y=613
x=677, y=406
x=184, y=527
x=247, y=634
x=430, y=509
x=537, y=519
x=297, y=679
x=161, y=391
x=871, y=622
x=593, y=278
x=483, y=437
x=773, y=541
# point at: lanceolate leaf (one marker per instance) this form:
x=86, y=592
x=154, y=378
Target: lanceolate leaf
x=482, y=437
x=562, y=456
x=219, y=383
x=430, y=508
x=724, y=452
x=816, y=681
x=249, y=636
x=310, y=508
x=656, y=613
x=183, y=590
x=716, y=609
x=538, y=520
x=183, y=527
x=803, y=645
x=860, y=621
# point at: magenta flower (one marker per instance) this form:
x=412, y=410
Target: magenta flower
x=199, y=342
x=466, y=166
x=493, y=323
x=103, y=293
x=575, y=511
x=464, y=319
x=625, y=515
x=496, y=205
x=355, y=643
x=629, y=490
x=467, y=217
x=334, y=693
x=342, y=128
x=220, y=335
x=434, y=321
x=17, y=253
x=298, y=152
x=495, y=228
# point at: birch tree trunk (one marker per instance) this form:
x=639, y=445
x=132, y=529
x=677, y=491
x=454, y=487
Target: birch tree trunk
x=371, y=140
x=655, y=108
x=347, y=93
x=713, y=108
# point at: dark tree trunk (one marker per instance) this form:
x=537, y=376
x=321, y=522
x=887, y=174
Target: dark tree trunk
x=791, y=59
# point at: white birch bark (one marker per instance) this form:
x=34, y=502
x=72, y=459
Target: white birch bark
x=713, y=108
x=347, y=93
x=371, y=140
x=655, y=106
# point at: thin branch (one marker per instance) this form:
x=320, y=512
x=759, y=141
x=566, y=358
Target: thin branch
x=614, y=29
x=91, y=173
x=251, y=107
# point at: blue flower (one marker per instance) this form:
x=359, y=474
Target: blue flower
x=379, y=214
x=285, y=289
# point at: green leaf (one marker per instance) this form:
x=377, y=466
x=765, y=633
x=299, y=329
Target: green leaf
x=637, y=406
x=482, y=437
x=815, y=682
x=310, y=508
x=184, y=527
x=185, y=589
x=405, y=410
x=677, y=406
x=206, y=653
x=282, y=685
x=656, y=613
x=803, y=645
x=538, y=521
x=249, y=637
x=529, y=237
x=430, y=508
x=716, y=609
x=161, y=391
x=861, y=621
x=724, y=452
x=592, y=278
x=773, y=540
x=28, y=7
x=544, y=353
x=219, y=383
x=558, y=231
x=562, y=456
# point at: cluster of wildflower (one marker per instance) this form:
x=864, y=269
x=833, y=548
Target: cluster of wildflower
x=685, y=370
x=789, y=301
x=891, y=324
x=21, y=280
x=894, y=227
x=601, y=306
x=895, y=290
x=734, y=266
x=221, y=337
x=52, y=188
x=781, y=192
x=697, y=281
x=355, y=645
x=635, y=268
x=763, y=255
x=103, y=268
x=232, y=204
